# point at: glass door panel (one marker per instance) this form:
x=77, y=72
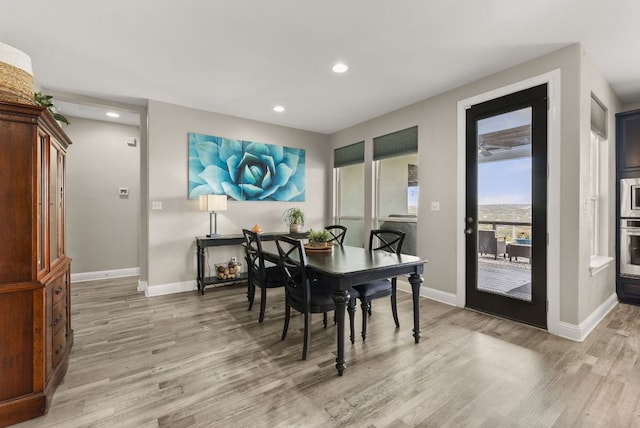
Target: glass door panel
x=504, y=204
x=53, y=203
x=351, y=203
x=397, y=186
x=41, y=192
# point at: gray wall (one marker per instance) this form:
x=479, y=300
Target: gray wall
x=102, y=227
x=631, y=106
x=172, y=230
x=438, y=174
x=593, y=290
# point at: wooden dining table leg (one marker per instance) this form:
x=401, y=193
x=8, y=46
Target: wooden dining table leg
x=340, y=299
x=415, y=280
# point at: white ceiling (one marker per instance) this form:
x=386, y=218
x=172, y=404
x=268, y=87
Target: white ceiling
x=242, y=57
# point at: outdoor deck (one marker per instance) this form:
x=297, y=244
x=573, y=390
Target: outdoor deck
x=501, y=276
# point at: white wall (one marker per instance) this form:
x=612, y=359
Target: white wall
x=593, y=290
x=102, y=227
x=629, y=107
x=172, y=230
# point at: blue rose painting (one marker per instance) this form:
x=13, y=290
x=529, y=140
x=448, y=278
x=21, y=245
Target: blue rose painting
x=244, y=170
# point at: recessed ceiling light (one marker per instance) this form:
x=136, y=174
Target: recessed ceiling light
x=112, y=114
x=340, y=68
x=278, y=109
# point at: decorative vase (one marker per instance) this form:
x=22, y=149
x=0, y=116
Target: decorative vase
x=295, y=227
x=16, y=76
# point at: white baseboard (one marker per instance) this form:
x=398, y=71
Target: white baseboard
x=574, y=332
x=580, y=332
x=429, y=293
x=104, y=274
x=439, y=296
x=171, y=288
x=142, y=285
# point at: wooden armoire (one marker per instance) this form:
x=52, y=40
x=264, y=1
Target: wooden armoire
x=35, y=322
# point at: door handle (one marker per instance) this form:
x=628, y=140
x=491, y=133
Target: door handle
x=468, y=231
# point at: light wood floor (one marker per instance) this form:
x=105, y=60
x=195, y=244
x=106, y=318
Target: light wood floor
x=186, y=360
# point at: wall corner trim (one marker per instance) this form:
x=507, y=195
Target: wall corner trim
x=580, y=332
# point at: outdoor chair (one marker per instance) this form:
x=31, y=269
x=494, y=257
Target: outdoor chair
x=489, y=243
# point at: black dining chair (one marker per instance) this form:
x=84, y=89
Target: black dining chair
x=389, y=240
x=338, y=233
x=300, y=294
x=261, y=273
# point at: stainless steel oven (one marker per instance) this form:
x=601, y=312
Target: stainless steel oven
x=630, y=248
x=630, y=197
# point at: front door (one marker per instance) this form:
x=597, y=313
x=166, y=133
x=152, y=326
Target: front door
x=506, y=206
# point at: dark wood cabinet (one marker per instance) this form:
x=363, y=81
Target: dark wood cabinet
x=627, y=173
x=35, y=322
x=628, y=143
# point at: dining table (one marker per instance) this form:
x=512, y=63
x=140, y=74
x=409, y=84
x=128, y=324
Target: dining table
x=345, y=266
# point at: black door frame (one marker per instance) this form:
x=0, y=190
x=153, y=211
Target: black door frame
x=534, y=312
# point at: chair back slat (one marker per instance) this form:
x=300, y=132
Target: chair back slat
x=390, y=240
x=254, y=256
x=338, y=233
x=293, y=261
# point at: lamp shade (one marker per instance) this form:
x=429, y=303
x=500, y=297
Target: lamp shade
x=213, y=203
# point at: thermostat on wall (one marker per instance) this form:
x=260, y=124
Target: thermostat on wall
x=124, y=191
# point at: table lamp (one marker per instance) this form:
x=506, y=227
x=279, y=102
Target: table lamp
x=213, y=204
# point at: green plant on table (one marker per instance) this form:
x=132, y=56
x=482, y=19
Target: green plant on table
x=318, y=236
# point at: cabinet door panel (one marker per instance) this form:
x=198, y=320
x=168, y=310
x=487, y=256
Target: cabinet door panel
x=16, y=194
x=16, y=352
x=630, y=142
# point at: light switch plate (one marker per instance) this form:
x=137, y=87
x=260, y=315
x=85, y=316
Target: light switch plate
x=435, y=206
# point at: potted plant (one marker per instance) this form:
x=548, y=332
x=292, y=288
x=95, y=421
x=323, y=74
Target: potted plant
x=524, y=238
x=319, y=238
x=47, y=101
x=294, y=218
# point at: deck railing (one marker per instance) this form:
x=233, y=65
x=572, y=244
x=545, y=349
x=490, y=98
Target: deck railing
x=508, y=229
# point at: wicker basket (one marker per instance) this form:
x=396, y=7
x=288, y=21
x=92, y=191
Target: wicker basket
x=16, y=79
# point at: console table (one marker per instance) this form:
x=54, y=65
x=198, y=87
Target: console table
x=203, y=242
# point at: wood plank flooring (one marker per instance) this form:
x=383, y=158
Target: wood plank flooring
x=186, y=360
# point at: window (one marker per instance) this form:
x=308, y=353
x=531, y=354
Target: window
x=349, y=177
x=396, y=157
x=598, y=198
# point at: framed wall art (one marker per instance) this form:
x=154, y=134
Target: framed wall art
x=245, y=170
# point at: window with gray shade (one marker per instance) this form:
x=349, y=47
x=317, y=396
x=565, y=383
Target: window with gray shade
x=349, y=155
x=396, y=144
